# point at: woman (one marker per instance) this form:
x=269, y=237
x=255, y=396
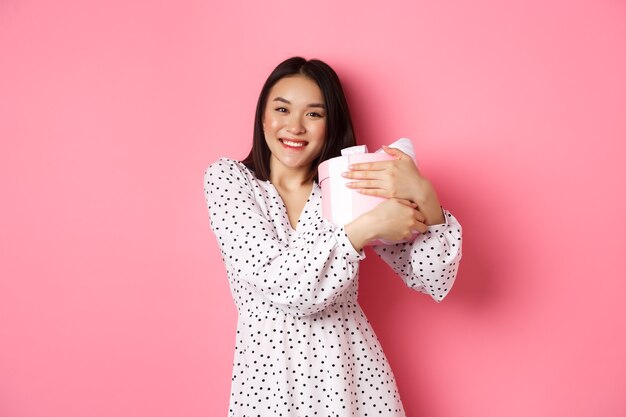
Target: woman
x=304, y=346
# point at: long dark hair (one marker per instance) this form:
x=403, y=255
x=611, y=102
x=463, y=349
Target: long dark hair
x=339, y=131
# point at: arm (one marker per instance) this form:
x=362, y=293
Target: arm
x=301, y=278
x=430, y=263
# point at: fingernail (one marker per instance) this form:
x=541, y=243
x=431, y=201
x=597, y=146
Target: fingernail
x=351, y=166
x=344, y=174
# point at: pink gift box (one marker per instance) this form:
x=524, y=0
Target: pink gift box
x=340, y=204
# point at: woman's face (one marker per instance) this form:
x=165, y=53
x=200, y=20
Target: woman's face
x=294, y=122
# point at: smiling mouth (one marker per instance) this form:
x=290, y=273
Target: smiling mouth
x=292, y=143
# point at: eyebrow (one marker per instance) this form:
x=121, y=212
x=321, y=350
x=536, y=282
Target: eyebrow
x=309, y=105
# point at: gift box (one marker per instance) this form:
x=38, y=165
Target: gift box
x=340, y=204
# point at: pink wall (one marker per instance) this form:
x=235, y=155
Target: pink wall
x=113, y=298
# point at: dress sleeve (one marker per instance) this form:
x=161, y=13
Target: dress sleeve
x=430, y=263
x=302, y=277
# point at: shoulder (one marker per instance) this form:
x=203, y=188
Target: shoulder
x=227, y=171
x=227, y=167
x=224, y=165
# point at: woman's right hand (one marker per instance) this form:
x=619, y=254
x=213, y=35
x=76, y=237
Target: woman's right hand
x=392, y=220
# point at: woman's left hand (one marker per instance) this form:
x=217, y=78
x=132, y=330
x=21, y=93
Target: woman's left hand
x=398, y=178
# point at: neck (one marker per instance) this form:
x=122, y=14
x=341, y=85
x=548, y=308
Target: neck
x=288, y=178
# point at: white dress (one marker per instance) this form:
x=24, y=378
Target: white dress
x=304, y=346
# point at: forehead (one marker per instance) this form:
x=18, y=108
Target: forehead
x=297, y=89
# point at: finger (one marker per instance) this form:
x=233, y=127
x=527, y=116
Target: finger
x=370, y=166
x=364, y=184
x=408, y=203
x=362, y=175
x=377, y=192
x=419, y=216
x=420, y=227
x=397, y=153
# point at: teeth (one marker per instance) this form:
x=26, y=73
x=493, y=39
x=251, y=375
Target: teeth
x=293, y=144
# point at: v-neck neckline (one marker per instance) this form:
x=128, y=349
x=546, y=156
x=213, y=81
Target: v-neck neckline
x=285, y=214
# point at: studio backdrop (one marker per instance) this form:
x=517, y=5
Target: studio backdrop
x=113, y=297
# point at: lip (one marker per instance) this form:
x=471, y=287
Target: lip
x=303, y=142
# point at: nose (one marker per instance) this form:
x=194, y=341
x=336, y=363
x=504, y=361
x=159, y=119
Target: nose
x=295, y=125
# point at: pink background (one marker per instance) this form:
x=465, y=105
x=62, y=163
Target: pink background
x=113, y=297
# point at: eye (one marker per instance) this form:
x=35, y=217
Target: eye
x=315, y=115
x=281, y=109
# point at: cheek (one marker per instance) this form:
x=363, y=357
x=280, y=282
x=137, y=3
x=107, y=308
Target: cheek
x=269, y=121
x=321, y=130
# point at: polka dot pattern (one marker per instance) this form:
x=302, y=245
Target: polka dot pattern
x=428, y=264
x=303, y=345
